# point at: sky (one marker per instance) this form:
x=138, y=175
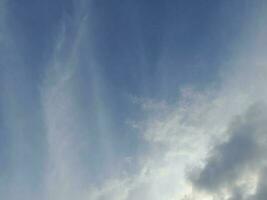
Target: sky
x=133, y=99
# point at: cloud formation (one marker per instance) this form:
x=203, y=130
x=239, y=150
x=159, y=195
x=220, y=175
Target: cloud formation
x=209, y=145
x=237, y=163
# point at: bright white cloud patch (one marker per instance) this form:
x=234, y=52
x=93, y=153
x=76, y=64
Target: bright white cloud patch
x=210, y=145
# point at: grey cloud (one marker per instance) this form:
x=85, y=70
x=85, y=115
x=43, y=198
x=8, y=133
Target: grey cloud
x=243, y=153
x=261, y=189
x=261, y=192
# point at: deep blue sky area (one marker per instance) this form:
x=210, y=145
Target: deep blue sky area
x=175, y=42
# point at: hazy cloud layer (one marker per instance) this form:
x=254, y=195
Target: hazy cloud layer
x=127, y=100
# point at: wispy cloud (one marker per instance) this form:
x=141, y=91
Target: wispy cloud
x=208, y=144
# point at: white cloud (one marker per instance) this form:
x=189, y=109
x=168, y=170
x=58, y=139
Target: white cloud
x=184, y=137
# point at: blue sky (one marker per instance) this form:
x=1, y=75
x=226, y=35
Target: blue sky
x=132, y=99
